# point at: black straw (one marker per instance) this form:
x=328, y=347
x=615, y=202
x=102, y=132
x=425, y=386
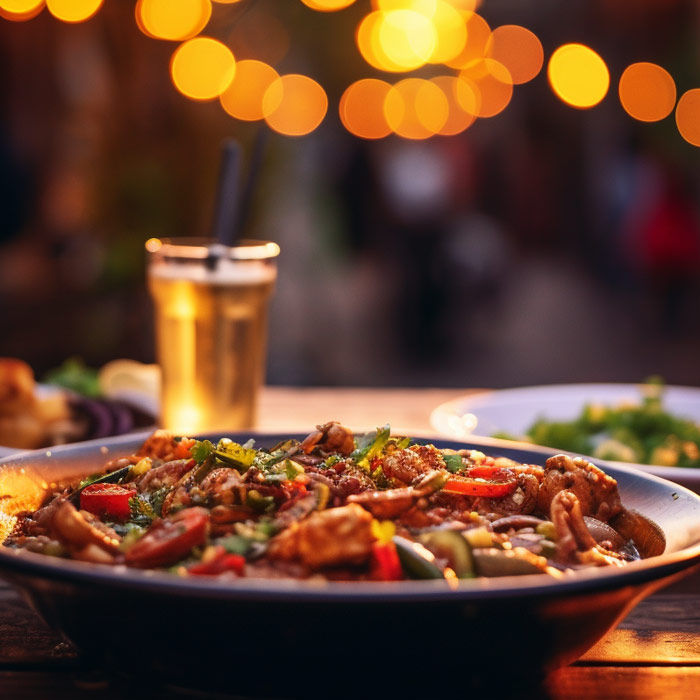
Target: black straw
x=226, y=229
x=251, y=181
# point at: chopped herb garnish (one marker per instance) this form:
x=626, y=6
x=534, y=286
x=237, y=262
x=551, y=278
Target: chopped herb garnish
x=453, y=463
x=201, y=450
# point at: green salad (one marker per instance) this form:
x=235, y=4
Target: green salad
x=643, y=432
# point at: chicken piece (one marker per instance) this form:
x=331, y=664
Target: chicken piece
x=410, y=464
x=326, y=538
x=596, y=491
x=330, y=437
x=574, y=542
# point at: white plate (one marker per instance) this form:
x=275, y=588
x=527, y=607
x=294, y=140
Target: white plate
x=515, y=410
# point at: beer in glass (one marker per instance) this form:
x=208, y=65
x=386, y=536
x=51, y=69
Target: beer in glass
x=211, y=306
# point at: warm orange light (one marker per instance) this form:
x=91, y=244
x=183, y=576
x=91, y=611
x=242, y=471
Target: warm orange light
x=367, y=40
x=647, y=92
x=451, y=32
x=494, y=84
x=468, y=96
x=425, y=7
x=73, y=10
x=173, y=20
x=688, y=116
x=476, y=47
x=407, y=38
x=416, y=109
x=457, y=92
x=294, y=105
x=362, y=109
x=328, y=5
x=20, y=10
x=243, y=99
x=578, y=75
x=519, y=50
x=202, y=68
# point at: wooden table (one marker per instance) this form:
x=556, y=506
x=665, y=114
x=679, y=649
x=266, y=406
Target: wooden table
x=654, y=653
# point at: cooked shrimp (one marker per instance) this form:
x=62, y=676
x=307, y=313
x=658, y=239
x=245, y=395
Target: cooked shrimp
x=330, y=437
x=595, y=490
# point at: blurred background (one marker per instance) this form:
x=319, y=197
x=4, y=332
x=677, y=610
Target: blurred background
x=471, y=206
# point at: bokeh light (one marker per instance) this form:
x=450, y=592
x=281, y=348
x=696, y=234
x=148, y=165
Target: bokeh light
x=294, y=105
x=367, y=40
x=578, y=75
x=173, y=20
x=688, y=116
x=202, y=68
x=416, y=108
x=494, y=84
x=243, y=98
x=73, y=10
x=328, y=5
x=20, y=10
x=647, y=92
x=477, y=44
x=451, y=30
x=362, y=109
x=458, y=92
x=519, y=50
x=407, y=37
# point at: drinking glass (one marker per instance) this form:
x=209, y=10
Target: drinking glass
x=211, y=304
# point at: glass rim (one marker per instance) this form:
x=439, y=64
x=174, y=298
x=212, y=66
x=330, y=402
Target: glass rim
x=199, y=249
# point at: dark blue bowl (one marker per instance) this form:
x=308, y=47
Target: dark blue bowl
x=304, y=638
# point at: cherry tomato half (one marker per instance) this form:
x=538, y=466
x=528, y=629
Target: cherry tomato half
x=109, y=501
x=169, y=540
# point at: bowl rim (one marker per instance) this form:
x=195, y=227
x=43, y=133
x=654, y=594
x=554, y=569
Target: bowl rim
x=20, y=563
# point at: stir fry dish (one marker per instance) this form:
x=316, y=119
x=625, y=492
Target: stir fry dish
x=337, y=507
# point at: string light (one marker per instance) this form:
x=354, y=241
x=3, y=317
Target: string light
x=294, y=105
x=395, y=36
x=73, y=11
x=578, y=75
x=647, y=92
x=172, y=20
x=20, y=10
x=361, y=109
x=202, y=68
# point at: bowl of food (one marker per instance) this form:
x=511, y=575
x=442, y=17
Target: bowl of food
x=653, y=426
x=71, y=407
x=275, y=565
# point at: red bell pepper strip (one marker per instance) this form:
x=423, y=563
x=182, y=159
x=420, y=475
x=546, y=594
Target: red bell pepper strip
x=219, y=564
x=107, y=500
x=494, y=472
x=385, y=564
x=480, y=487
